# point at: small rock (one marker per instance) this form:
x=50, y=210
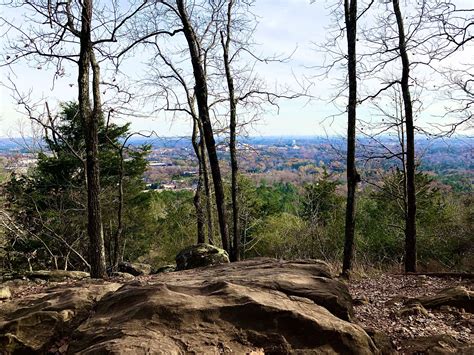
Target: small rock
x=5, y=293
x=413, y=309
x=359, y=301
x=63, y=349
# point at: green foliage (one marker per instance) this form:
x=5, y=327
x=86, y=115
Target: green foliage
x=444, y=228
x=49, y=204
x=164, y=227
x=279, y=220
x=320, y=200
x=287, y=222
x=279, y=236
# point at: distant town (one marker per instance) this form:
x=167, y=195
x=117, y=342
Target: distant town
x=173, y=166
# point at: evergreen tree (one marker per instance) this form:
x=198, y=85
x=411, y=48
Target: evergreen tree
x=49, y=203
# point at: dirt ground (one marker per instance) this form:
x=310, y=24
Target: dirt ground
x=379, y=301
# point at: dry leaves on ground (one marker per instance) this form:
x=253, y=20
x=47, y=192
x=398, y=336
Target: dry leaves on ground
x=379, y=304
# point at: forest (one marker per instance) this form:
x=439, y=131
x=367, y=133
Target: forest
x=397, y=72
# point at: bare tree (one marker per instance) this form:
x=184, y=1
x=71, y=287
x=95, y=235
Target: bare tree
x=73, y=32
x=410, y=221
x=350, y=15
x=197, y=60
x=225, y=41
x=410, y=43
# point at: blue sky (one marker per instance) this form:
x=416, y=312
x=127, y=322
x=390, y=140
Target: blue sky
x=284, y=26
x=277, y=33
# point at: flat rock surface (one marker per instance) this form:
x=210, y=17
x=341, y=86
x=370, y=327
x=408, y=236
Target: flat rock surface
x=254, y=306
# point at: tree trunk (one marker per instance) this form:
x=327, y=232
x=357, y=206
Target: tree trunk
x=90, y=120
x=350, y=12
x=235, y=254
x=203, y=109
x=207, y=190
x=410, y=221
x=201, y=237
x=119, y=232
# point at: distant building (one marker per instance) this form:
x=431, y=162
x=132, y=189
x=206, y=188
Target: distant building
x=156, y=163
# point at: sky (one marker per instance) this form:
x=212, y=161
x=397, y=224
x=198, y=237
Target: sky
x=285, y=27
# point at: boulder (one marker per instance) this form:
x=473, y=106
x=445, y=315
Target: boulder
x=135, y=269
x=165, y=268
x=200, y=255
x=459, y=297
x=255, y=306
x=5, y=292
x=259, y=306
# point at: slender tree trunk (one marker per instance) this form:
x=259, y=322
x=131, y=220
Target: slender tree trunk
x=90, y=120
x=119, y=232
x=201, y=236
x=350, y=11
x=207, y=190
x=203, y=109
x=410, y=221
x=235, y=254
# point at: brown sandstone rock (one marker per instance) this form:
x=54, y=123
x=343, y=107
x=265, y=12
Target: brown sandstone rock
x=459, y=297
x=29, y=325
x=255, y=306
x=241, y=307
x=437, y=345
x=5, y=292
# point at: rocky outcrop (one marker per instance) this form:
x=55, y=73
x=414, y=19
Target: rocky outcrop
x=47, y=275
x=260, y=305
x=31, y=323
x=382, y=341
x=200, y=255
x=459, y=297
x=135, y=269
x=437, y=345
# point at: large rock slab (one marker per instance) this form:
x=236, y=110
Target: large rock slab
x=200, y=255
x=259, y=305
x=256, y=305
x=30, y=324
